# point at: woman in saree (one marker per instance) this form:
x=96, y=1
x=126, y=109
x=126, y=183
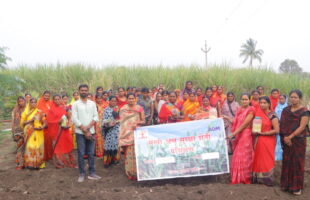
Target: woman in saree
x=184, y=98
x=27, y=98
x=17, y=131
x=99, y=90
x=121, y=99
x=164, y=99
x=99, y=145
x=203, y=111
x=189, y=88
x=165, y=95
x=221, y=94
x=274, y=98
x=33, y=123
x=293, y=131
x=109, y=93
x=111, y=126
x=190, y=107
x=65, y=103
x=242, y=159
x=229, y=110
x=261, y=90
x=58, y=123
x=44, y=104
x=208, y=92
x=199, y=95
x=63, y=156
x=179, y=94
x=90, y=97
x=265, y=142
x=105, y=101
x=75, y=97
x=158, y=98
x=281, y=105
x=171, y=111
x=131, y=116
x=255, y=99
x=160, y=90
x=154, y=92
x=215, y=99
x=53, y=118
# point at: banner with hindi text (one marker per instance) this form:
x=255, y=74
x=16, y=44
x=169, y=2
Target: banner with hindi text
x=185, y=149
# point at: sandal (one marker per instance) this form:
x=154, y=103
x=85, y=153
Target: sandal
x=298, y=193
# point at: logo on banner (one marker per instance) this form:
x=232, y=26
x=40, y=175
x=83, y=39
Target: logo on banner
x=143, y=134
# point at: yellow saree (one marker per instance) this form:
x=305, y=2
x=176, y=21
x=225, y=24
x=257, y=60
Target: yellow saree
x=190, y=109
x=34, y=139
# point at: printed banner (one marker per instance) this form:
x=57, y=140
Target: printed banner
x=185, y=149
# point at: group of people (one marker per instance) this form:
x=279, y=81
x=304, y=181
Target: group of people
x=103, y=125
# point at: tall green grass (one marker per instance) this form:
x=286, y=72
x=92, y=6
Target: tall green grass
x=66, y=78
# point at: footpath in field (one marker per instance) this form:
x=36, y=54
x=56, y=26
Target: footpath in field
x=59, y=184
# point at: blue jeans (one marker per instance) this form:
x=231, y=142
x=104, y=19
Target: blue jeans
x=85, y=147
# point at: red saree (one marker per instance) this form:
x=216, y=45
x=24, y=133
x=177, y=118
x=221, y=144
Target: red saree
x=63, y=156
x=166, y=112
x=242, y=159
x=264, y=153
x=45, y=107
x=62, y=145
x=52, y=118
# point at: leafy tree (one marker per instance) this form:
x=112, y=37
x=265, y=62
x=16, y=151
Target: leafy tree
x=248, y=51
x=11, y=87
x=290, y=66
x=3, y=58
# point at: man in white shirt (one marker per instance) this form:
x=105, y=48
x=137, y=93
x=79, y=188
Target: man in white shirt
x=84, y=117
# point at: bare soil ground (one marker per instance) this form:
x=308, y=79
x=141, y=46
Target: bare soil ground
x=59, y=184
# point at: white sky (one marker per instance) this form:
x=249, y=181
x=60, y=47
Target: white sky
x=167, y=32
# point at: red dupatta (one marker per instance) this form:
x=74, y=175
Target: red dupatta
x=199, y=99
x=105, y=104
x=121, y=103
x=43, y=105
x=255, y=104
x=266, y=122
x=264, y=144
x=274, y=102
x=166, y=112
x=214, y=99
x=53, y=117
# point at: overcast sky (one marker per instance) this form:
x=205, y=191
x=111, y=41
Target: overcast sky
x=167, y=32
